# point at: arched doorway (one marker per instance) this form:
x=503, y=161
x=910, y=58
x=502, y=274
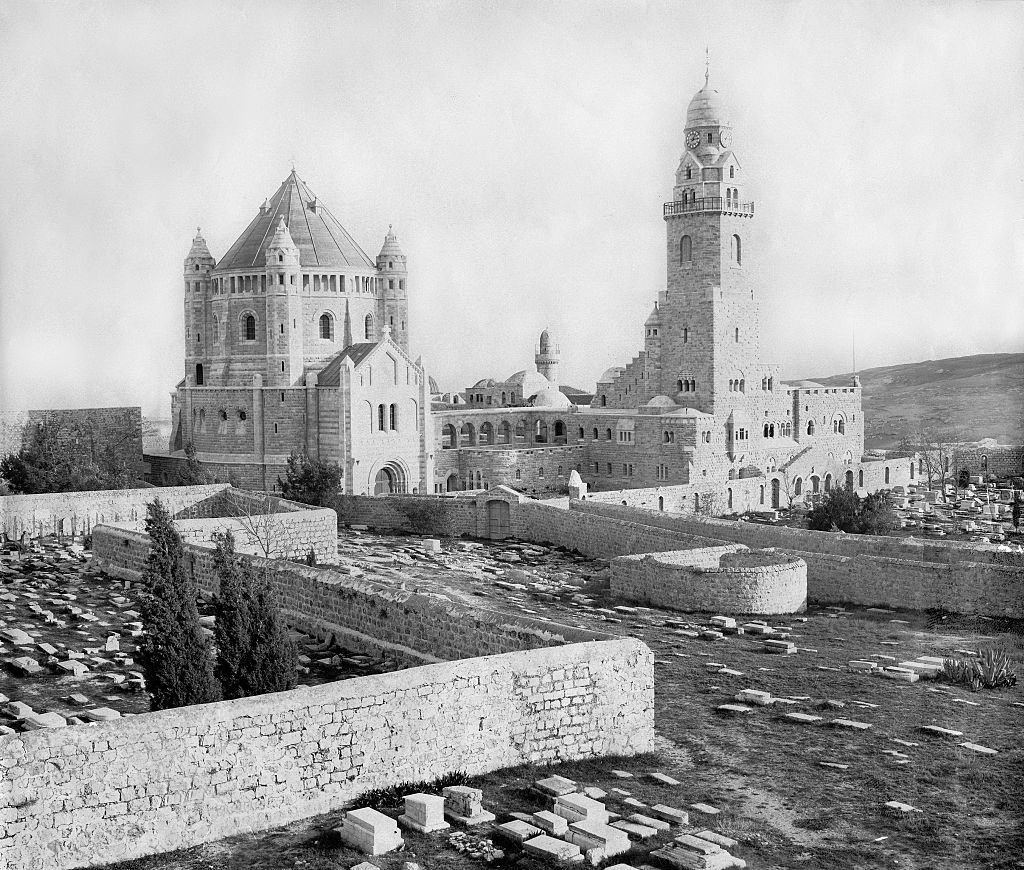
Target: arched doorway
x=775, y=493
x=815, y=483
x=849, y=480
x=452, y=483
x=498, y=522
x=385, y=482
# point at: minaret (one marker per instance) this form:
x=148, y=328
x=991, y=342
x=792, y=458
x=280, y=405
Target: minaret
x=547, y=357
x=198, y=340
x=710, y=320
x=284, y=309
x=395, y=301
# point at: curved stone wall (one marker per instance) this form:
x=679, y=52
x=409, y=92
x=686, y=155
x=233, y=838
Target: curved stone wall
x=730, y=579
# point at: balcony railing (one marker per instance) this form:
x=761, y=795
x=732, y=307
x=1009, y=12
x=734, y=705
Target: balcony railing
x=709, y=203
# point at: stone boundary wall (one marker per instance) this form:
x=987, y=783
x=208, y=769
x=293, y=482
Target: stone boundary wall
x=433, y=515
x=413, y=627
x=1001, y=460
x=747, y=581
x=288, y=535
x=760, y=535
x=173, y=779
x=73, y=513
x=870, y=570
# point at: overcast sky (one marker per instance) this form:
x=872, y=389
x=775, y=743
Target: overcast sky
x=522, y=152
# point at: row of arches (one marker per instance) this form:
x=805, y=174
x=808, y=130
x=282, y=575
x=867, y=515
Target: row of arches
x=780, y=430
x=250, y=284
x=686, y=385
x=488, y=434
x=248, y=322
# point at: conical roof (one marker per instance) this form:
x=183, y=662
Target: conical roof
x=390, y=248
x=199, y=250
x=321, y=240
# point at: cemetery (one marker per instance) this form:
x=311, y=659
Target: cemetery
x=773, y=734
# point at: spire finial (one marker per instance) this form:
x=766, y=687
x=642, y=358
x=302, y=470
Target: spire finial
x=707, y=65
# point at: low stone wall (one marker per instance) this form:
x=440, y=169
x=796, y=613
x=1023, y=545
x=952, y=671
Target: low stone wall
x=867, y=569
x=71, y=513
x=413, y=627
x=120, y=790
x=436, y=515
x=726, y=579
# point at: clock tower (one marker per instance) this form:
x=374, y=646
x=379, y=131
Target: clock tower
x=710, y=321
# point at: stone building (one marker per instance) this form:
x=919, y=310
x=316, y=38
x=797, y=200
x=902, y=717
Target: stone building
x=698, y=406
x=295, y=340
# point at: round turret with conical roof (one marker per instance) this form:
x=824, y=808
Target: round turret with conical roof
x=391, y=265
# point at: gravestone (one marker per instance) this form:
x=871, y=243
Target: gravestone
x=370, y=832
x=424, y=813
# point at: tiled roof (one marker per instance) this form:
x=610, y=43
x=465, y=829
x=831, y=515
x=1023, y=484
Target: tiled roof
x=329, y=375
x=321, y=240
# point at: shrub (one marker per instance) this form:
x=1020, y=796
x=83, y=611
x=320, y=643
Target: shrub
x=310, y=481
x=843, y=510
x=992, y=669
x=192, y=472
x=174, y=653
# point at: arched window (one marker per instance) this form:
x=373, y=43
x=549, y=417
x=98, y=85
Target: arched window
x=736, y=335
x=326, y=326
x=393, y=417
x=860, y=478
x=199, y=374
x=743, y=385
x=828, y=483
x=730, y=498
x=771, y=430
x=368, y=327
x=380, y=418
x=737, y=249
x=689, y=172
x=250, y=327
x=685, y=249
x=661, y=503
x=798, y=486
x=732, y=171
x=765, y=430
x=887, y=474
x=679, y=386
x=202, y=420
x=810, y=427
x=604, y=401
x=607, y=434
x=595, y=434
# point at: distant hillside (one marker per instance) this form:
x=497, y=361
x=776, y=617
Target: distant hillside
x=967, y=397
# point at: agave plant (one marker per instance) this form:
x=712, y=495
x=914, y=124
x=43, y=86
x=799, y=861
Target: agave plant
x=990, y=670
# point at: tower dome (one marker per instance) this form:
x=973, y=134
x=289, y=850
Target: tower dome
x=707, y=109
x=545, y=341
x=390, y=247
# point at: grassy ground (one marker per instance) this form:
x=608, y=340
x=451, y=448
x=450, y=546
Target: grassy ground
x=763, y=771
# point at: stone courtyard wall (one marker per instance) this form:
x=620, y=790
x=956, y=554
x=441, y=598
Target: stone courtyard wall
x=869, y=569
x=158, y=781
x=77, y=512
x=721, y=580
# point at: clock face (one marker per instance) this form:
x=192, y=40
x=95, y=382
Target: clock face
x=725, y=137
x=692, y=139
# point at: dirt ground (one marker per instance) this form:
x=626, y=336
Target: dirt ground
x=763, y=771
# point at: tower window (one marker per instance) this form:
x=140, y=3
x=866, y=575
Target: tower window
x=250, y=327
x=689, y=173
x=326, y=326
x=280, y=258
x=685, y=249
x=199, y=374
x=393, y=418
x=282, y=329
x=686, y=335
x=737, y=249
x=737, y=334
x=711, y=138
x=368, y=327
x=380, y=418
x=732, y=171
x=391, y=283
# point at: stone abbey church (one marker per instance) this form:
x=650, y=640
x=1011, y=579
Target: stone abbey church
x=296, y=340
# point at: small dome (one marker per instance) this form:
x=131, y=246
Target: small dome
x=545, y=342
x=551, y=397
x=528, y=382
x=654, y=318
x=610, y=374
x=661, y=402
x=483, y=382
x=706, y=109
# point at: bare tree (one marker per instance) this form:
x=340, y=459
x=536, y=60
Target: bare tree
x=935, y=449
x=707, y=504
x=254, y=512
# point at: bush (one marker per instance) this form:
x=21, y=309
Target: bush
x=254, y=653
x=310, y=481
x=192, y=472
x=843, y=510
x=992, y=669
x=174, y=653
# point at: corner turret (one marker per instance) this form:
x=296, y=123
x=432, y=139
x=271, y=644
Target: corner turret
x=391, y=264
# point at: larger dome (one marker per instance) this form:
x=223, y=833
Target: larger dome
x=706, y=109
x=321, y=240
x=551, y=397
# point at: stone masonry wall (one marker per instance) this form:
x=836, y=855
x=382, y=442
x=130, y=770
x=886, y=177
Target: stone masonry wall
x=80, y=511
x=172, y=779
x=416, y=628
x=746, y=582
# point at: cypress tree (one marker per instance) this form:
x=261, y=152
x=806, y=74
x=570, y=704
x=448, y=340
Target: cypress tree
x=254, y=653
x=175, y=655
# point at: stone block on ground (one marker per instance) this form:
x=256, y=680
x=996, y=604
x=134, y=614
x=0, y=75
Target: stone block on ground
x=805, y=718
x=634, y=830
x=649, y=822
x=577, y=807
x=518, y=831
x=463, y=804
x=100, y=714
x=941, y=732
x=677, y=855
x=669, y=814
x=719, y=839
x=705, y=809
x=424, y=813
x=735, y=709
x=550, y=823
x=369, y=831
x=555, y=786
x=663, y=778
x=589, y=834
x=552, y=848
